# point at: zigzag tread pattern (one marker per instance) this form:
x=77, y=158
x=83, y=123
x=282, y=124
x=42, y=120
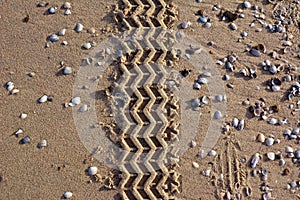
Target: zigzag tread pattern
x=150, y=112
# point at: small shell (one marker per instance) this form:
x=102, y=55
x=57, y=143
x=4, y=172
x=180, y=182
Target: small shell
x=271, y=155
x=78, y=27
x=43, y=99
x=273, y=69
x=92, y=31
x=196, y=86
x=185, y=25
x=52, y=10
x=92, y=171
x=255, y=52
x=67, y=71
x=14, y=91
x=42, y=143
x=87, y=45
x=232, y=26
x=247, y=4
x=270, y=141
x=287, y=43
x=9, y=86
x=68, y=12
x=195, y=165
x=219, y=98
x=235, y=122
x=297, y=153
x=296, y=131
x=261, y=138
x=68, y=195
x=254, y=160
x=195, y=103
x=23, y=115
x=289, y=149
x=62, y=32
x=202, y=80
x=207, y=172
x=53, y=38
x=273, y=121
x=212, y=153
x=202, y=19
x=76, y=100
x=241, y=125
x=25, y=140
x=244, y=34
x=18, y=132
x=204, y=100
x=218, y=115
x=83, y=108
x=66, y=5
x=193, y=144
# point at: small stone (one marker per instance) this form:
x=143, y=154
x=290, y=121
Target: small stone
x=78, y=27
x=52, y=10
x=62, y=32
x=25, y=140
x=43, y=99
x=66, y=5
x=218, y=115
x=193, y=144
x=289, y=149
x=68, y=12
x=297, y=153
x=195, y=165
x=247, y=4
x=87, y=46
x=185, y=25
x=76, y=100
x=207, y=172
x=91, y=30
x=232, y=26
x=53, y=38
x=244, y=34
x=287, y=43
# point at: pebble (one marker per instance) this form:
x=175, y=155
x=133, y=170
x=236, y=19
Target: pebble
x=68, y=195
x=273, y=121
x=53, y=38
x=235, y=122
x=244, y=34
x=202, y=19
x=287, y=43
x=195, y=165
x=64, y=43
x=254, y=160
x=83, y=108
x=42, y=4
x=67, y=71
x=207, y=25
x=289, y=149
x=202, y=81
x=297, y=153
x=195, y=103
x=92, y=171
x=193, y=144
x=42, y=143
x=219, y=98
x=52, y=10
x=76, y=101
x=68, y=12
x=23, y=115
x=207, y=172
x=91, y=30
x=196, y=86
x=255, y=52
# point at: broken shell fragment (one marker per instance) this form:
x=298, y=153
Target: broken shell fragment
x=67, y=71
x=68, y=195
x=42, y=143
x=23, y=115
x=43, y=99
x=87, y=45
x=25, y=140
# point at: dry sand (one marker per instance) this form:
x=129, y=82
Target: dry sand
x=31, y=173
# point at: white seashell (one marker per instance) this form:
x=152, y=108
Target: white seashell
x=207, y=172
x=9, y=86
x=235, y=122
x=52, y=10
x=87, y=45
x=43, y=99
x=83, y=108
x=218, y=115
x=14, y=91
x=247, y=4
x=78, y=27
x=62, y=32
x=66, y=5
x=254, y=160
x=232, y=26
x=241, y=125
x=76, y=100
x=68, y=12
x=53, y=38
x=295, y=131
x=196, y=86
x=287, y=43
x=207, y=25
x=261, y=138
x=202, y=81
x=289, y=149
x=204, y=100
x=255, y=52
x=212, y=153
x=244, y=34
x=287, y=132
x=271, y=155
x=185, y=25
x=92, y=171
x=275, y=88
x=18, y=132
x=273, y=121
x=273, y=69
x=219, y=98
x=68, y=195
x=195, y=165
x=67, y=71
x=270, y=141
x=64, y=43
x=23, y=116
x=42, y=143
x=243, y=72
